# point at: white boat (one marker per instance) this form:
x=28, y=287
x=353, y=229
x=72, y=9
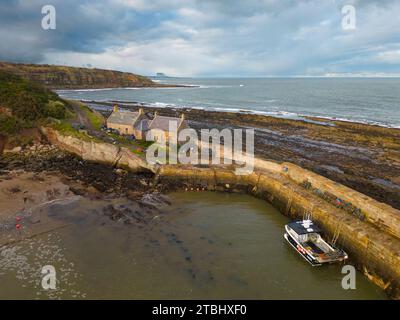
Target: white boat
x=305, y=237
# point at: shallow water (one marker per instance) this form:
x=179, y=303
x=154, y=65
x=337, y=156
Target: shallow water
x=205, y=245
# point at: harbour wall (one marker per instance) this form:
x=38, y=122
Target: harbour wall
x=373, y=251
x=96, y=151
x=372, y=242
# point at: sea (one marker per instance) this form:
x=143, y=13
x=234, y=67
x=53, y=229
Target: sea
x=365, y=100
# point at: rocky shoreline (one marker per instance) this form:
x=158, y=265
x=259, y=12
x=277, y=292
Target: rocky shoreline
x=141, y=193
x=73, y=169
x=363, y=157
x=44, y=175
x=103, y=178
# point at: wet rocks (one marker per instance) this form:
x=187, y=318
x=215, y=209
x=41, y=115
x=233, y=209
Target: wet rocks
x=348, y=153
x=112, y=212
x=154, y=200
x=102, y=177
x=144, y=211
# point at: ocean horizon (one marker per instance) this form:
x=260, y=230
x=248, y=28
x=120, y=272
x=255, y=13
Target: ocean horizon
x=363, y=100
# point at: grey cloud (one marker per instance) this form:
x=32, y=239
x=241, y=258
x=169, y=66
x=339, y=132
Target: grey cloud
x=205, y=37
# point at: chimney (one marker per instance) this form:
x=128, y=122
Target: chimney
x=115, y=108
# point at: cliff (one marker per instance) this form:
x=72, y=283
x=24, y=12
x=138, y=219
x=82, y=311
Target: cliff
x=62, y=77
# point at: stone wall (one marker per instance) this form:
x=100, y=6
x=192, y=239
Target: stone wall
x=374, y=252
x=378, y=214
x=122, y=129
x=98, y=151
x=373, y=245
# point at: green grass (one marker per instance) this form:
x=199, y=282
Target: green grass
x=10, y=125
x=28, y=100
x=66, y=128
x=136, y=146
x=143, y=143
x=28, y=103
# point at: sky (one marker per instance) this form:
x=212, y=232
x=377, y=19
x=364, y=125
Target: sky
x=207, y=38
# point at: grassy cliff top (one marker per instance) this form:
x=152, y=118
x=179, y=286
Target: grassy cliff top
x=63, y=77
x=23, y=103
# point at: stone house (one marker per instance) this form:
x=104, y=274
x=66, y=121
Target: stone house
x=128, y=122
x=137, y=124
x=163, y=123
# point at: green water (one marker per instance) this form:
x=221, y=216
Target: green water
x=205, y=245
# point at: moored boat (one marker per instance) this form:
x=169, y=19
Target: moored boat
x=306, y=238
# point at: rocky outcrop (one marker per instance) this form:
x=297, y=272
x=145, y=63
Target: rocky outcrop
x=62, y=77
x=97, y=151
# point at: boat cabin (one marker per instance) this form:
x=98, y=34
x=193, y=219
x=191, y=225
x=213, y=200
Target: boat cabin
x=306, y=238
x=303, y=230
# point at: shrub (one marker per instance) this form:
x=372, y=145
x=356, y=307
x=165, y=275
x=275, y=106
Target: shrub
x=55, y=109
x=9, y=125
x=26, y=100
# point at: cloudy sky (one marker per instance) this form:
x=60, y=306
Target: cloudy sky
x=206, y=37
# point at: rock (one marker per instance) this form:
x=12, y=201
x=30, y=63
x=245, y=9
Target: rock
x=112, y=212
x=15, y=189
x=120, y=171
x=134, y=195
x=15, y=150
x=78, y=191
x=154, y=200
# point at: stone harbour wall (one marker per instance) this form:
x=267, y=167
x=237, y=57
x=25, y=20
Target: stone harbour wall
x=98, y=151
x=374, y=252
x=373, y=243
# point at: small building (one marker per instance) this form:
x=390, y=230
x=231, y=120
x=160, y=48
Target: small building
x=163, y=123
x=137, y=124
x=127, y=122
x=140, y=128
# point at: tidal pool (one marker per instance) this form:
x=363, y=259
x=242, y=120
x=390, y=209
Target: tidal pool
x=204, y=246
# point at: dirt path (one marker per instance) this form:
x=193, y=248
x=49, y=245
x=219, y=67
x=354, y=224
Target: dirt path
x=81, y=116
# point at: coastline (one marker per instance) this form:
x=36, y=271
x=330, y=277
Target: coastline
x=101, y=87
x=361, y=156
x=93, y=168
x=273, y=114
x=360, y=236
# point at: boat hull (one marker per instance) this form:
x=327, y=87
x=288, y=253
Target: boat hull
x=301, y=250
